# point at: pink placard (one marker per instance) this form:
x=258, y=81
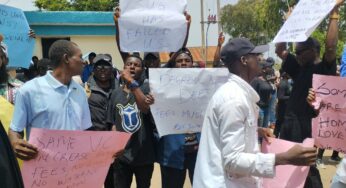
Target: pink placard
x=329, y=127
x=71, y=158
x=286, y=176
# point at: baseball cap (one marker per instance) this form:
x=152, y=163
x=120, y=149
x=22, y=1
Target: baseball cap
x=237, y=47
x=103, y=58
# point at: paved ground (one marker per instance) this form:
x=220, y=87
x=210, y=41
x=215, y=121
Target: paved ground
x=326, y=174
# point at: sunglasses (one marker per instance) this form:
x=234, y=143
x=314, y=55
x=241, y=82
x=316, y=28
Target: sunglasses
x=104, y=67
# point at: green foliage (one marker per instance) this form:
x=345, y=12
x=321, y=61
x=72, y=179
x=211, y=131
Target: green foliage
x=76, y=5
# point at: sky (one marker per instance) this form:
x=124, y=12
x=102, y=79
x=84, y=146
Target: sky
x=29, y=5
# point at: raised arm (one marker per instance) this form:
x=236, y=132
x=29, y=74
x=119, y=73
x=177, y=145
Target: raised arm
x=143, y=102
x=188, y=20
x=332, y=34
x=220, y=41
x=116, y=17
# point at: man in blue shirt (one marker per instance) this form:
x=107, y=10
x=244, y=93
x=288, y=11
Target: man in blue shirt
x=53, y=101
x=88, y=69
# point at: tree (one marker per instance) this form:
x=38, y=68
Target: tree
x=76, y=5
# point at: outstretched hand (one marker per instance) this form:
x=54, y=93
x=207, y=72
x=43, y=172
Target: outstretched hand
x=221, y=39
x=188, y=17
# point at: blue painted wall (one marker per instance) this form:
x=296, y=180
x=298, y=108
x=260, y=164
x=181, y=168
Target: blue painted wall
x=69, y=23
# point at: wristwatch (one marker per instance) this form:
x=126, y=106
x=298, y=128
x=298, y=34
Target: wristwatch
x=133, y=84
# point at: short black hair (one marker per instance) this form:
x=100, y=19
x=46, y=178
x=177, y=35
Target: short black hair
x=135, y=55
x=172, y=62
x=58, y=49
x=309, y=43
x=92, y=54
x=34, y=57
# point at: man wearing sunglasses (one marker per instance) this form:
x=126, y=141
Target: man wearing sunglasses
x=301, y=67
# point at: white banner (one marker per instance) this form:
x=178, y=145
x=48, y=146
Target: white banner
x=152, y=25
x=305, y=18
x=182, y=96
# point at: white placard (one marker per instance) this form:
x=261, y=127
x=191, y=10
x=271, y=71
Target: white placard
x=152, y=25
x=182, y=96
x=305, y=18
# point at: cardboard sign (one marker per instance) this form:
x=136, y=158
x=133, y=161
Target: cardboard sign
x=152, y=25
x=182, y=96
x=286, y=176
x=15, y=29
x=79, y=159
x=305, y=18
x=329, y=128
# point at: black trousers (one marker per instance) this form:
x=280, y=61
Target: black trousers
x=175, y=178
x=123, y=175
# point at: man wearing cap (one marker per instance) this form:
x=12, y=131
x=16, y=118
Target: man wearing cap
x=102, y=83
x=229, y=155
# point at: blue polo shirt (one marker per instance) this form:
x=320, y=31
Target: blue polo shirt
x=343, y=63
x=45, y=102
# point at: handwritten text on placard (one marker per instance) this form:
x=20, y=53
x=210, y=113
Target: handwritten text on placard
x=71, y=158
x=181, y=97
x=329, y=128
x=305, y=18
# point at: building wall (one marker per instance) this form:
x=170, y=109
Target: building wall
x=97, y=44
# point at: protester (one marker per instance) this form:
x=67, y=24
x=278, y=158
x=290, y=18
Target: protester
x=128, y=111
x=9, y=169
x=297, y=123
x=283, y=94
x=88, y=69
x=43, y=66
x=177, y=153
x=103, y=83
x=36, y=101
x=229, y=155
x=9, y=84
x=264, y=89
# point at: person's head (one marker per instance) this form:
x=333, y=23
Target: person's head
x=103, y=68
x=241, y=57
x=34, y=60
x=181, y=59
x=135, y=65
x=306, y=52
x=268, y=65
x=91, y=57
x=43, y=66
x=152, y=59
x=66, y=55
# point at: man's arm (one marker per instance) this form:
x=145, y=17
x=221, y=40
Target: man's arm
x=237, y=162
x=22, y=148
x=188, y=20
x=116, y=17
x=143, y=102
x=332, y=34
x=220, y=41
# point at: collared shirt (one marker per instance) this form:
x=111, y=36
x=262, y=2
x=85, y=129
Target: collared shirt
x=44, y=102
x=228, y=153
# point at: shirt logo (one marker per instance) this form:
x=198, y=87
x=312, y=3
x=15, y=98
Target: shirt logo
x=130, y=119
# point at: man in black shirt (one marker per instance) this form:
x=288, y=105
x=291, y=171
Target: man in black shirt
x=128, y=111
x=297, y=122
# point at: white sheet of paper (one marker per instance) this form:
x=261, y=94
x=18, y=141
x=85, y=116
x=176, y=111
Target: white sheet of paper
x=152, y=25
x=305, y=18
x=182, y=96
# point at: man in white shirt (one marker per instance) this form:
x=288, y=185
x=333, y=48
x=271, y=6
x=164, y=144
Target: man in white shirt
x=229, y=154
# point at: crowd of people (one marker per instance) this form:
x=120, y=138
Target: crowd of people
x=257, y=102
